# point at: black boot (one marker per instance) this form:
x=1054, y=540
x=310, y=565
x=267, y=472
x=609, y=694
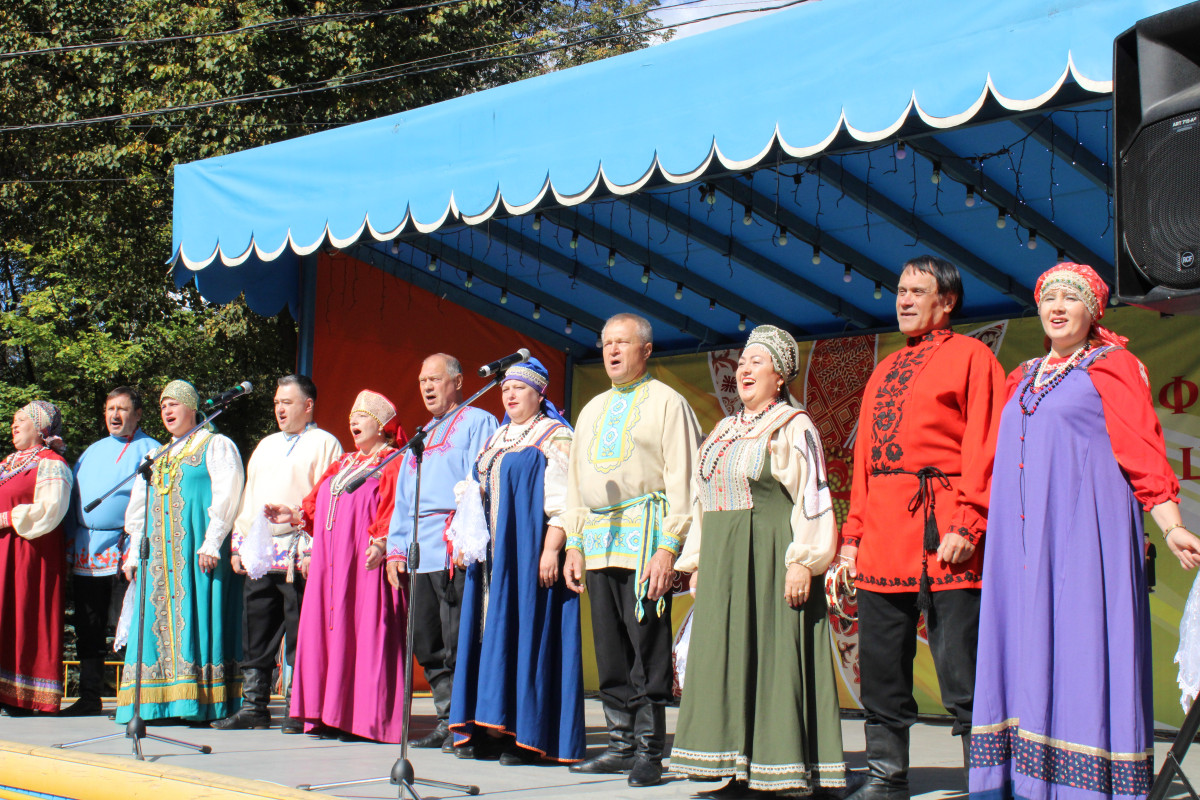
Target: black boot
x=440, y=736
x=887, y=764
x=256, y=695
x=290, y=724
x=650, y=733
x=619, y=755
x=91, y=689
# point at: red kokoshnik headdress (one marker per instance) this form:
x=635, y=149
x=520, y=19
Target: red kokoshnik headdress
x=1091, y=289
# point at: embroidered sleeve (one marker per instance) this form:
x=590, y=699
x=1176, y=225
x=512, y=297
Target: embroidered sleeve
x=680, y=443
x=51, y=499
x=558, y=454
x=689, y=557
x=983, y=382
x=1133, y=427
x=225, y=473
x=798, y=463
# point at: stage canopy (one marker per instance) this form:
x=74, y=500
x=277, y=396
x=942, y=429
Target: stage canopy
x=779, y=170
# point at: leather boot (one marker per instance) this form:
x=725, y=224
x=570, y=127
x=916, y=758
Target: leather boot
x=650, y=733
x=966, y=746
x=290, y=724
x=91, y=689
x=887, y=764
x=442, y=690
x=256, y=695
x=619, y=755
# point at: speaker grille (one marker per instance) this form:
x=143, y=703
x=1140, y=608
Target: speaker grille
x=1160, y=201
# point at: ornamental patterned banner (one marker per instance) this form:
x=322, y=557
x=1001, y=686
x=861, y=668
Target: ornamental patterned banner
x=830, y=388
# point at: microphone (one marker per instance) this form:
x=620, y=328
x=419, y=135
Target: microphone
x=245, y=387
x=504, y=363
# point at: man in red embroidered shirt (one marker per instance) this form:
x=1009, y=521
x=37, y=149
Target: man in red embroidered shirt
x=918, y=510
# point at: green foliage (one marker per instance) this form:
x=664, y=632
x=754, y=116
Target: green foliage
x=87, y=300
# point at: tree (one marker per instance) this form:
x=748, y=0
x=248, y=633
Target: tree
x=86, y=300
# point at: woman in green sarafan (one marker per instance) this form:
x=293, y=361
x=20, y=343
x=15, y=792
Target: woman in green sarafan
x=193, y=608
x=760, y=699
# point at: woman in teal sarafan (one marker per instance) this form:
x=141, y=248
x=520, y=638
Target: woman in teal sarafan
x=759, y=694
x=193, y=614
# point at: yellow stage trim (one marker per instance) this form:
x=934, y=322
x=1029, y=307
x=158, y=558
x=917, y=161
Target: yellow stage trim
x=50, y=772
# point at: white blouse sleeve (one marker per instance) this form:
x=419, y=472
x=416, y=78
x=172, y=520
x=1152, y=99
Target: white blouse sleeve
x=689, y=557
x=558, y=456
x=225, y=472
x=51, y=498
x=798, y=463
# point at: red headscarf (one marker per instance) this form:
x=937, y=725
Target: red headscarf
x=1091, y=288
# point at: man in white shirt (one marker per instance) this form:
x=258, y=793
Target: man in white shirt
x=284, y=469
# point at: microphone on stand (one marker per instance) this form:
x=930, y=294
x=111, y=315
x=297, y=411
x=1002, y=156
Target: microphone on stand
x=224, y=398
x=503, y=364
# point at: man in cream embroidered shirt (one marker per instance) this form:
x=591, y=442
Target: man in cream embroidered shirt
x=628, y=511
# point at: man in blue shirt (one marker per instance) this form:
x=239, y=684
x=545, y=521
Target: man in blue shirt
x=96, y=539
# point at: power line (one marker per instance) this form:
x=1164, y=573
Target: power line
x=393, y=72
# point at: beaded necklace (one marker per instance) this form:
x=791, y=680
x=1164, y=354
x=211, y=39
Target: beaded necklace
x=1044, y=381
x=166, y=469
x=488, y=458
x=337, y=484
x=16, y=463
x=734, y=431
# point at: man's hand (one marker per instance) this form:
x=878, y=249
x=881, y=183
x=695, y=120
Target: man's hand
x=394, y=570
x=573, y=571
x=305, y=563
x=954, y=548
x=237, y=565
x=662, y=569
x=849, y=555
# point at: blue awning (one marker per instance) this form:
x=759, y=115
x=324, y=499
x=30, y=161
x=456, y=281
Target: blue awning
x=786, y=120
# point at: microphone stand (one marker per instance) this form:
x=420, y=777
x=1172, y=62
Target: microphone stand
x=403, y=774
x=136, y=727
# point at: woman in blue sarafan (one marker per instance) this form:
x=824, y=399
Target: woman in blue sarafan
x=518, y=682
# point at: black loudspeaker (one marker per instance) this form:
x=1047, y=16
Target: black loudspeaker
x=1156, y=132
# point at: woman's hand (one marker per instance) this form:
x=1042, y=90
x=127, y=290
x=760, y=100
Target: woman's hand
x=130, y=571
x=375, y=554
x=207, y=563
x=548, y=567
x=694, y=582
x=797, y=584
x=1186, y=547
x=281, y=514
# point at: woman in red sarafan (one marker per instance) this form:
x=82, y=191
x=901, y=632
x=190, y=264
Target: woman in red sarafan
x=35, y=490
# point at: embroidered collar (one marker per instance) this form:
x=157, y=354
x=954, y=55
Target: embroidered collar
x=633, y=384
x=913, y=341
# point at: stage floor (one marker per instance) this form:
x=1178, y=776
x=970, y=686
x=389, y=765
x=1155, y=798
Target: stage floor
x=293, y=760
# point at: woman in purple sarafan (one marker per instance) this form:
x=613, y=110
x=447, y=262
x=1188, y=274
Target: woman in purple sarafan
x=1063, y=701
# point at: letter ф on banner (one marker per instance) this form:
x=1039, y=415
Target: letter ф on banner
x=1178, y=394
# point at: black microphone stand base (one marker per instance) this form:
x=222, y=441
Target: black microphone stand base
x=136, y=729
x=403, y=776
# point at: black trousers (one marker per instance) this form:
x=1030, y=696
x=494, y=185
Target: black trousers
x=270, y=609
x=437, y=607
x=95, y=597
x=633, y=658
x=887, y=644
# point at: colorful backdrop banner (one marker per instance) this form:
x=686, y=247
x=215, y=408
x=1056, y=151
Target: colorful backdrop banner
x=831, y=387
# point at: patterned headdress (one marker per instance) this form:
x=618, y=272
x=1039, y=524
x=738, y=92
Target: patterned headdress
x=48, y=422
x=183, y=392
x=785, y=355
x=530, y=372
x=1091, y=288
x=533, y=373
x=378, y=408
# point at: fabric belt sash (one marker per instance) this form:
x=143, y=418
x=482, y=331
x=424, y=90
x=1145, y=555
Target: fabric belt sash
x=652, y=508
x=927, y=478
